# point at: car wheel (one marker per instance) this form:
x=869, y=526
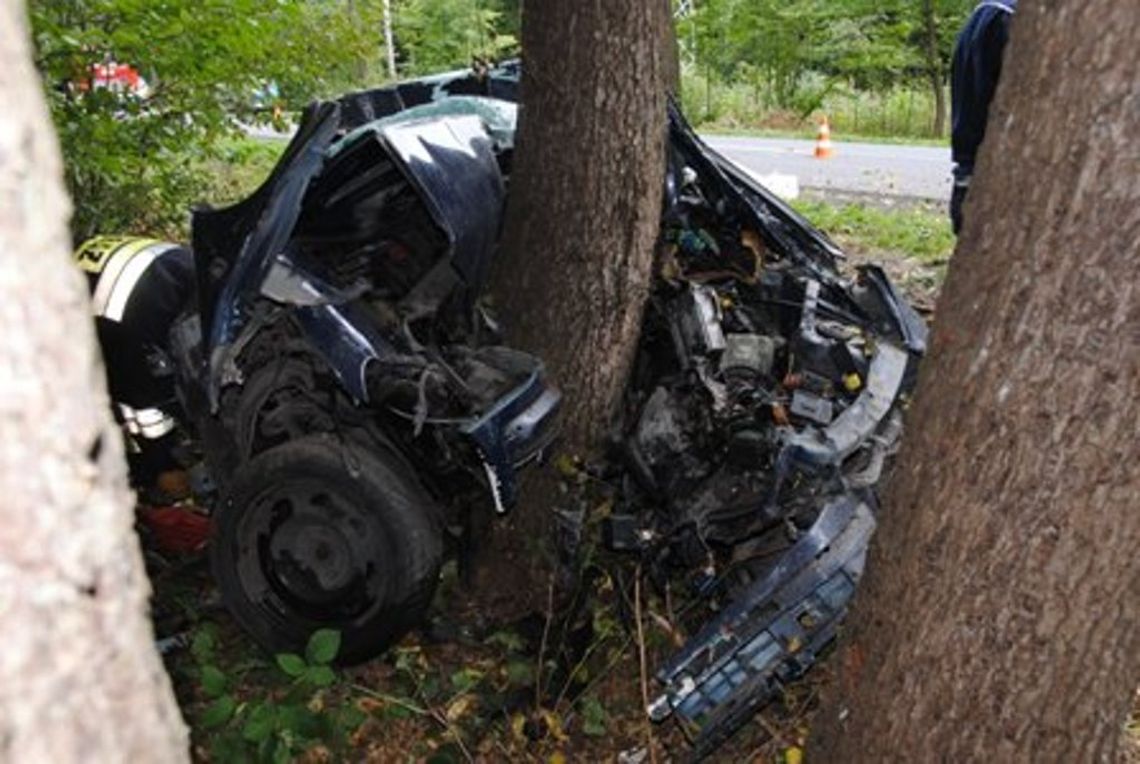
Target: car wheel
x=317, y=533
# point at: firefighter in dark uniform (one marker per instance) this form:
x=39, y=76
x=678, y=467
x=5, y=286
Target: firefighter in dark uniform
x=974, y=74
x=138, y=288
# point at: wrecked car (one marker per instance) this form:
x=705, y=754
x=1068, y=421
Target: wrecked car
x=357, y=409
x=764, y=405
x=349, y=394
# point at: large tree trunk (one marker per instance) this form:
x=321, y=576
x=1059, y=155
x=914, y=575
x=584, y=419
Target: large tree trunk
x=583, y=217
x=1000, y=616
x=79, y=675
x=585, y=203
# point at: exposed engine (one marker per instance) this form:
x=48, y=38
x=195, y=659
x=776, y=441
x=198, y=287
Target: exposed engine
x=764, y=404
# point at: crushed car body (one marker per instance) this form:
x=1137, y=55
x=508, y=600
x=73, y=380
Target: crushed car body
x=765, y=402
x=355, y=406
x=338, y=325
x=323, y=239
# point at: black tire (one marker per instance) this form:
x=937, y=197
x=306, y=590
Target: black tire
x=316, y=533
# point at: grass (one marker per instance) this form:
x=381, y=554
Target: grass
x=917, y=233
x=808, y=134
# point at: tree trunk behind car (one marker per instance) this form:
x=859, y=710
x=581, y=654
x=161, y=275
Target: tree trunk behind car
x=585, y=205
x=1000, y=616
x=79, y=675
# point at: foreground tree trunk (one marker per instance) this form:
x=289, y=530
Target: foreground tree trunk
x=79, y=675
x=1000, y=616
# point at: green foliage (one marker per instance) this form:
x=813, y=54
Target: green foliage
x=323, y=647
x=593, y=717
x=918, y=233
x=436, y=35
x=133, y=162
x=902, y=113
x=793, y=55
x=279, y=724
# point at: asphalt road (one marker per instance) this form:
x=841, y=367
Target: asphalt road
x=915, y=172
x=873, y=169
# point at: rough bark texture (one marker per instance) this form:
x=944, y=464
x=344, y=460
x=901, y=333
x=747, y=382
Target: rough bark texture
x=671, y=51
x=585, y=200
x=585, y=206
x=1000, y=616
x=79, y=677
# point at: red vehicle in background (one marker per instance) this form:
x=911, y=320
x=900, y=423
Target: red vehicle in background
x=116, y=77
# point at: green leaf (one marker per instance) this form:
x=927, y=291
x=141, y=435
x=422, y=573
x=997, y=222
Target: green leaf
x=299, y=722
x=292, y=664
x=508, y=639
x=323, y=646
x=281, y=754
x=320, y=676
x=593, y=717
x=260, y=724
x=430, y=689
x=213, y=681
x=443, y=756
x=394, y=711
x=202, y=646
x=349, y=718
x=465, y=679
x=219, y=712
x=520, y=673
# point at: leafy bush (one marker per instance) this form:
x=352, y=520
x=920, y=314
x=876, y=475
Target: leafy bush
x=276, y=726
x=135, y=161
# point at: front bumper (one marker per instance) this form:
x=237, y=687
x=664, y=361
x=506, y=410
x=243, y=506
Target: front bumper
x=515, y=431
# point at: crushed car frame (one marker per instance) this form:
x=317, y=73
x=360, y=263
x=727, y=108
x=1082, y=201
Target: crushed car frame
x=765, y=402
x=355, y=405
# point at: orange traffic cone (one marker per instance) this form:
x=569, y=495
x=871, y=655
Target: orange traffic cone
x=823, y=148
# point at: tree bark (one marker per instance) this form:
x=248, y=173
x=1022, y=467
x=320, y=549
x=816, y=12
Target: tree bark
x=1000, y=616
x=79, y=675
x=583, y=216
x=671, y=52
x=585, y=201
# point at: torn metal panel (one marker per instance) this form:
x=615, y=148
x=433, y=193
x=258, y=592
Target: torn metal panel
x=235, y=247
x=452, y=164
x=773, y=618
x=860, y=420
x=346, y=338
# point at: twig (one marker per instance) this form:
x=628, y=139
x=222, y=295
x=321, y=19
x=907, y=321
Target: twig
x=642, y=661
x=430, y=713
x=570, y=677
x=447, y=725
x=666, y=626
x=542, y=645
x=402, y=702
x=604, y=672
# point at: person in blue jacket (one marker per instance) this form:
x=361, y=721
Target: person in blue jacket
x=974, y=75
